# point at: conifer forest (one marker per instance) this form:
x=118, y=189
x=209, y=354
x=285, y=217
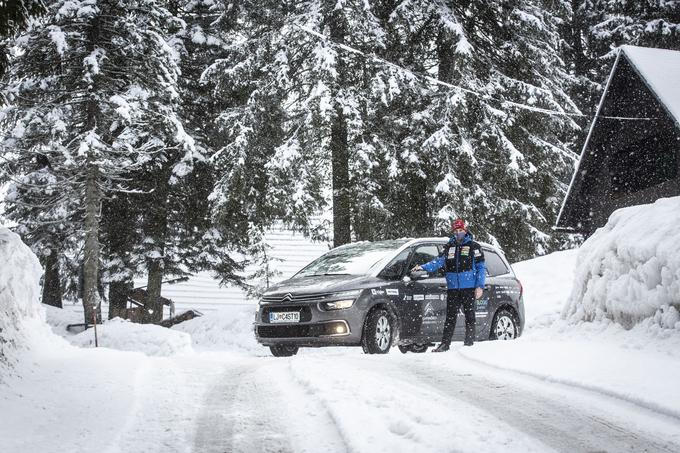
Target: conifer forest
x=162, y=138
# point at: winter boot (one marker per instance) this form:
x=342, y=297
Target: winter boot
x=443, y=347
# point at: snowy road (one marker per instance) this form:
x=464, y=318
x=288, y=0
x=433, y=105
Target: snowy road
x=344, y=401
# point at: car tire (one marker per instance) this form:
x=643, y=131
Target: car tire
x=417, y=348
x=504, y=325
x=283, y=350
x=378, y=332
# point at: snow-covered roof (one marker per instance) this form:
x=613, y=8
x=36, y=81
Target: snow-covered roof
x=660, y=69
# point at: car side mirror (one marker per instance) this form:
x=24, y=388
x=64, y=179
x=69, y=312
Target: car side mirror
x=418, y=275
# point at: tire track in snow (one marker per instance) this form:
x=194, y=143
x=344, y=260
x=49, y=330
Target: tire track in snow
x=237, y=415
x=558, y=423
x=377, y=412
x=645, y=405
x=257, y=406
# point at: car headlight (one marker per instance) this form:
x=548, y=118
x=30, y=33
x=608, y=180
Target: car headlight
x=338, y=304
x=345, y=300
x=353, y=294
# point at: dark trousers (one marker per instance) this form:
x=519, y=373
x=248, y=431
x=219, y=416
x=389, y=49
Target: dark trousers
x=454, y=300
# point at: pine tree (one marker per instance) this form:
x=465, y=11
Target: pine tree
x=595, y=28
x=92, y=89
x=252, y=79
x=648, y=23
x=313, y=98
x=14, y=16
x=36, y=198
x=297, y=123
x=470, y=151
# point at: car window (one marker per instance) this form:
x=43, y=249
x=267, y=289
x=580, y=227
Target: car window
x=351, y=259
x=494, y=264
x=424, y=254
x=396, y=268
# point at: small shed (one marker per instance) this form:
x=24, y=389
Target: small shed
x=631, y=155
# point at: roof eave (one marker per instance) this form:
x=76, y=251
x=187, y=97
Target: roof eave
x=587, y=142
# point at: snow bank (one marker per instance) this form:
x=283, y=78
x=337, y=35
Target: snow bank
x=21, y=316
x=59, y=318
x=230, y=329
x=629, y=270
x=547, y=282
x=123, y=335
x=623, y=280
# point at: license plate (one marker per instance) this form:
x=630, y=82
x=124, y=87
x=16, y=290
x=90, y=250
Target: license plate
x=284, y=316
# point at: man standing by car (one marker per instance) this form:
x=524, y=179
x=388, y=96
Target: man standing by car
x=463, y=261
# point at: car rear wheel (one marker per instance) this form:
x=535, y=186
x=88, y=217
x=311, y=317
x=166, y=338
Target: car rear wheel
x=505, y=326
x=283, y=350
x=417, y=348
x=377, y=338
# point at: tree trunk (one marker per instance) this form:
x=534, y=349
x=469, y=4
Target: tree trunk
x=91, y=303
x=339, y=146
x=118, y=230
x=156, y=229
x=154, y=305
x=51, y=291
x=576, y=36
x=118, y=297
x=92, y=201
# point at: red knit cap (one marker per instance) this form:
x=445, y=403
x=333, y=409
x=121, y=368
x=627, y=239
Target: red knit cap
x=458, y=224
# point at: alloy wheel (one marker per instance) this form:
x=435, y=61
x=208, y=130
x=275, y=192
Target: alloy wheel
x=505, y=328
x=383, y=333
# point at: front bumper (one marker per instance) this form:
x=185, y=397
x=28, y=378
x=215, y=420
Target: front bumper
x=317, y=327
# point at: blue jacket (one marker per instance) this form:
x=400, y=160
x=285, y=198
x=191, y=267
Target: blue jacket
x=463, y=264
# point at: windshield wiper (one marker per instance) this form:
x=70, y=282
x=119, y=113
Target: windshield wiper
x=329, y=273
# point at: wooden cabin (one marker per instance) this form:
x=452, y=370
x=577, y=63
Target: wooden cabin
x=630, y=156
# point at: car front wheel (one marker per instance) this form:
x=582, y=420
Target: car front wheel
x=377, y=338
x=505, y=326
x=282, y=350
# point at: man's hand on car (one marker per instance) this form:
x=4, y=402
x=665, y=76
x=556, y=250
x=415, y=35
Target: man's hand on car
x=478, y=292
x=416, y=269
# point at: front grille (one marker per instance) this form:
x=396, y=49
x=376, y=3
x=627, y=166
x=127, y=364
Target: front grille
x=305, y=311
x=290, y=297
x=294, y=331
x=300, y=330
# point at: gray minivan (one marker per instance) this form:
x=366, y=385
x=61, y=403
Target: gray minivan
x=365, y=294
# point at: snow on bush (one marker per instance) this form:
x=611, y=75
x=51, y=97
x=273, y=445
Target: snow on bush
x=629, y=270
x=229, y=329
x=21, y=316
x=124, y=335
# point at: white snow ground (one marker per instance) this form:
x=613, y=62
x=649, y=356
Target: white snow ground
x=566, y=385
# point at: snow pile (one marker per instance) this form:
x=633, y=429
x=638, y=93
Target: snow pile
x=21, y=316
x=547, y=282
x=629, y=270
x=59, y=318
x=230, y=328
x=123, y=335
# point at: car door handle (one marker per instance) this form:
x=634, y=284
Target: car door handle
x=442, y=286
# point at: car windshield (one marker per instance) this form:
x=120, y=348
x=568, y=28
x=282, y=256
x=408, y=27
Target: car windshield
x=352, y=259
